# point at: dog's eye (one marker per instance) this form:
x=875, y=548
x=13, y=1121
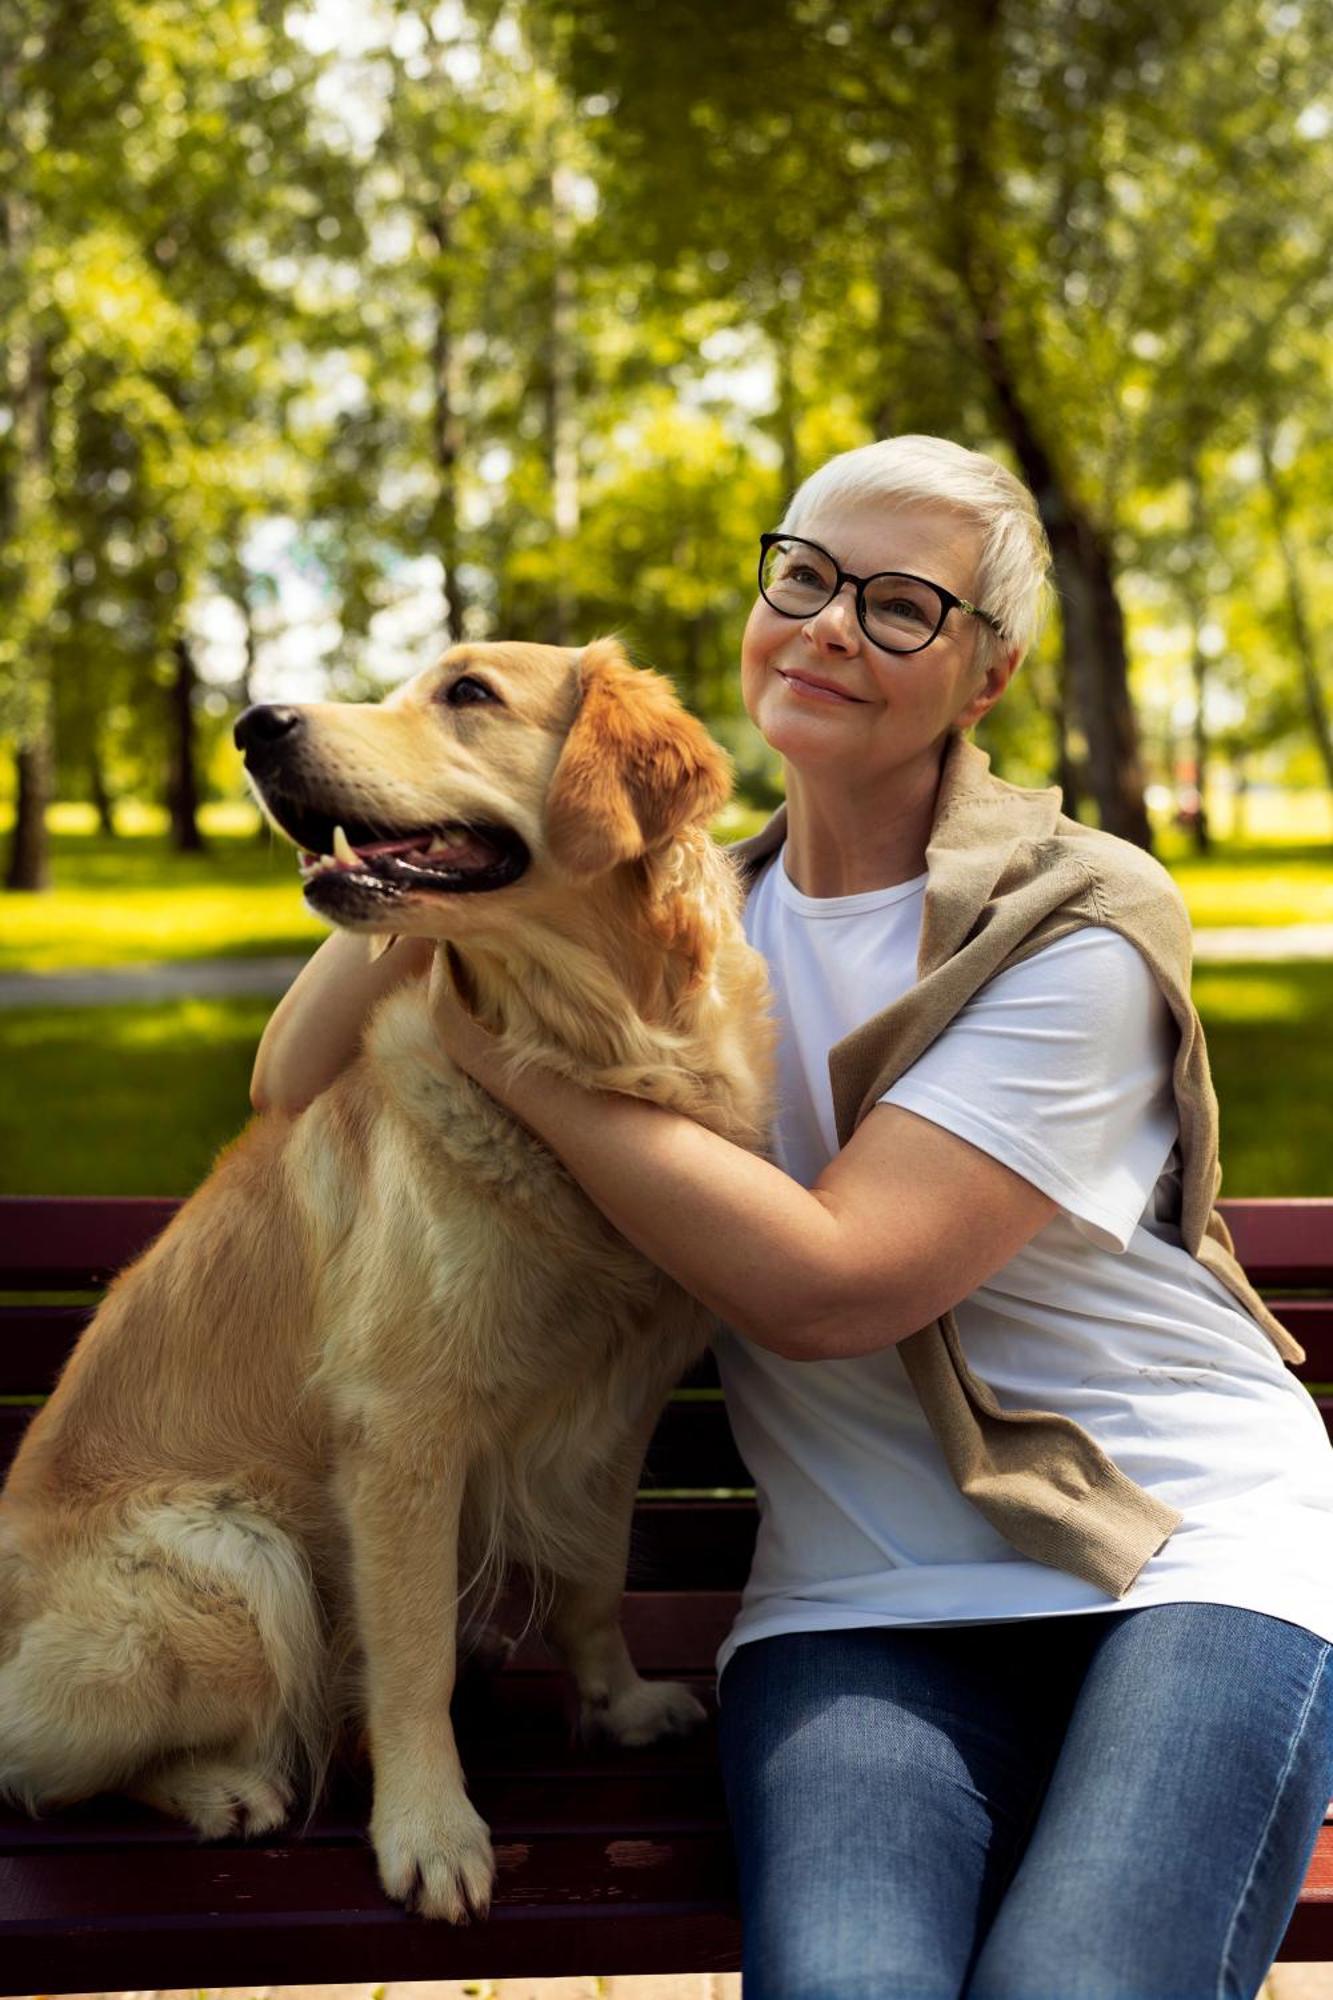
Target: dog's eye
x=467, y=690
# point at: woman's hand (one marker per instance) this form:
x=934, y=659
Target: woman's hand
x=463, y=1040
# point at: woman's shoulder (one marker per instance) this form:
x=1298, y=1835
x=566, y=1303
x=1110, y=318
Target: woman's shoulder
x=1124, y=880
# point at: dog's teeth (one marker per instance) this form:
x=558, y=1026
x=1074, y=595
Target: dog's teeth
x=380, y=943
x=343, y=849
x=438, y=844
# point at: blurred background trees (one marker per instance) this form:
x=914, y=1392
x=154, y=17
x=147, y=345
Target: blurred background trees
x=330, y=333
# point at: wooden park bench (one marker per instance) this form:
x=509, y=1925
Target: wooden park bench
x=609, y=1862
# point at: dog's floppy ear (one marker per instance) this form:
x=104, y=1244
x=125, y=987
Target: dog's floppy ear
x=636, y=767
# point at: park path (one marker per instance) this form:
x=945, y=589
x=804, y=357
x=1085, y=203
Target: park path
x=227, y=978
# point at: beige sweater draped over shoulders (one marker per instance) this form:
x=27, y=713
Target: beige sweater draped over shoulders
x=1007, y=873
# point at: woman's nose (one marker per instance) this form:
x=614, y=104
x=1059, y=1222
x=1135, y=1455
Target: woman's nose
x=835, y=624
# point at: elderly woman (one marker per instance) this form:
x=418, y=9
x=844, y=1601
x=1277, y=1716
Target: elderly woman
x=1030, y=1691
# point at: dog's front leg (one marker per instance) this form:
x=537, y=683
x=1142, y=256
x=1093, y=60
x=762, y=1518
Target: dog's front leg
x=433, y=1848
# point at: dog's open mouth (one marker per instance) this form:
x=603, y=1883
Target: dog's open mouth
x=445, y=860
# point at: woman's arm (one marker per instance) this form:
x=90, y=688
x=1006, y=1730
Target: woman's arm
x=902, y=1224
x=315, y=1030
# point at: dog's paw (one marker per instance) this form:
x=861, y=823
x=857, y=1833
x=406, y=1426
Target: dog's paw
x=437, y=1859
x=218, y=1796
x=644, y=1713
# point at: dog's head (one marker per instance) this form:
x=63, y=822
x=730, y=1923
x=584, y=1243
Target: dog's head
x=502, y=770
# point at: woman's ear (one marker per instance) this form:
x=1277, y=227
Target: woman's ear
x=635, y=769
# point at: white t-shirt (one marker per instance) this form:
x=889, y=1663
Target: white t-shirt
x=1060, y=1068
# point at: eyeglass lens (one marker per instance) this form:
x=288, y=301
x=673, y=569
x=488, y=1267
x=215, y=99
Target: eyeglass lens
x=900, y=612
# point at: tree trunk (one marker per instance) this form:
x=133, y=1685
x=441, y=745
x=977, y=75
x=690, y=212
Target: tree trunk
x=446, y=424
x=26, y=614
x=1200, y=832
x=1069, y=769
x=29, y=866
x=562, y=433
x=182, y=782
x=1298, y=618
x=101, y=792
x=782, y=322
x=1092, y=623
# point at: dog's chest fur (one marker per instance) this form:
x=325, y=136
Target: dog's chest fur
x=472, y=1276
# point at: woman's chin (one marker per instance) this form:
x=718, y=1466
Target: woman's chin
x=810, y=740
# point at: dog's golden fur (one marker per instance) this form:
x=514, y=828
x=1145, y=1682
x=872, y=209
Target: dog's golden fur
x=389, y=1347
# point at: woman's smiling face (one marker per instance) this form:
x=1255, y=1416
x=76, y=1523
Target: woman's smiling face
x=824, y=695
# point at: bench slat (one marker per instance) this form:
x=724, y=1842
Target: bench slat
x=1283, y=1242
x=274, y=1915
x=79, y=1240
x=36, y=1340
x=75, y=1242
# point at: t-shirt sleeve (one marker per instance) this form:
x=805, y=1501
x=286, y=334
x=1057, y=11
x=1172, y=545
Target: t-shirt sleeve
x=1060, y=1067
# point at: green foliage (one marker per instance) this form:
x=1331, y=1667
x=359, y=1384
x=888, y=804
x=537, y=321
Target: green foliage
x=523, y=319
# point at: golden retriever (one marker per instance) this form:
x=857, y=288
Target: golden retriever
x=389, y=1347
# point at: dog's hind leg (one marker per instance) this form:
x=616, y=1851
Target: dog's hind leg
x=582, y=1624
x=188, y=1639
x=218, y=1794
x=93, y=1694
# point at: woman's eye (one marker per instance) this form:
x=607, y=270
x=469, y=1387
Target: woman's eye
x=466, y=691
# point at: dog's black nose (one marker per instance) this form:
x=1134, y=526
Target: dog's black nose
x=262, y=729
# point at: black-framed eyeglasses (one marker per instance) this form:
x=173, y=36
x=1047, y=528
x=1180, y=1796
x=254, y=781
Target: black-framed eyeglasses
x=896, y=611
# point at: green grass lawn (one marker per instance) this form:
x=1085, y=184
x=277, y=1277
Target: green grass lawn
x=123, y=1100
x=131, y=900
x=137, y=1100
x=1259, y=885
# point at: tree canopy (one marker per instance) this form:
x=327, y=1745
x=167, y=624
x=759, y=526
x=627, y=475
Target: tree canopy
x=329, y=338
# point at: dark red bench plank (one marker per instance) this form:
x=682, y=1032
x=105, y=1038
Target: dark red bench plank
x=313, y=1912
x=272, y=1914
x=1310, y=1932
x=1311, y=1322
x=36, y=1340
x=1285, y=1242
x=75, y=1242
x=80, y=1239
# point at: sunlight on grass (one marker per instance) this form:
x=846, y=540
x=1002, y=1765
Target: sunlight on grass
x=129, y=901
x=1259, y=994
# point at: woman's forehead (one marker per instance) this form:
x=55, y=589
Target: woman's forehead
x=925, y=538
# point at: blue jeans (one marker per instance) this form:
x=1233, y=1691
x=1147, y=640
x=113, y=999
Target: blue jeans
x=1117, y=1806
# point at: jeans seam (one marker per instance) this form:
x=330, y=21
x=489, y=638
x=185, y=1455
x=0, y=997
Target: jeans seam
x=1225, y=1970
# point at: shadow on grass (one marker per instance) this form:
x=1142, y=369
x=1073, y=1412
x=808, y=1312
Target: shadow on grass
x=123, y=1100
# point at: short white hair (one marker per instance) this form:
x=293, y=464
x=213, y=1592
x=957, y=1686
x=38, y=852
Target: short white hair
x=1011, y=582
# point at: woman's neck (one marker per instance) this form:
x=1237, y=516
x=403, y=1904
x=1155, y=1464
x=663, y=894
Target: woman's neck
x=840, y=843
